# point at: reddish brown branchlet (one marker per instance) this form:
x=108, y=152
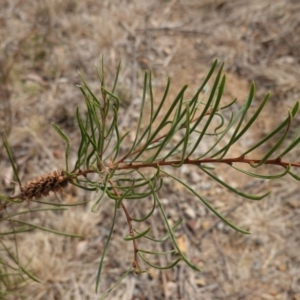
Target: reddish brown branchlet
x=55, y=181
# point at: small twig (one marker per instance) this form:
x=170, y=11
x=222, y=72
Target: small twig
x=135, y=263
x=198, y=162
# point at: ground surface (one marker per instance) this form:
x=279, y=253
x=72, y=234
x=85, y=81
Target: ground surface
x=44, y=43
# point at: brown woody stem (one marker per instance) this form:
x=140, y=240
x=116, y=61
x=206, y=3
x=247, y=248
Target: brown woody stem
x=135, y=263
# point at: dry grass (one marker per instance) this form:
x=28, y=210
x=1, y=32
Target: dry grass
x=42, y=45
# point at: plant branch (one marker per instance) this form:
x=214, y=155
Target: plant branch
x=197, y=162
x=135, y=263
x=187, y=161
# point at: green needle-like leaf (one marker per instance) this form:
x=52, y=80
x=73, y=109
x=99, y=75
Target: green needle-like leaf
x=174, y=128
x=240, y=193
x=116, y=284
x=278, y=129
x=34, y=210
x=96, y=204
x=233, y=138
x=116, y=78
x=162, y=124
x=141, y=113
x=18, y=230
x=165, y=237
x=89, y=90
x=214, y=109
x=276, y=176
x=47, y=229
x=207, y=204
x=187, y=134
x=106, y=247
x=294, y=176
x=276, y=146
x=231, y=122
x=156, y=252
x=137, y=236
x=170, y=231
x=148, y=215
x=66, y=139
x=160, y=267
x=292, y=145
x=11, y=159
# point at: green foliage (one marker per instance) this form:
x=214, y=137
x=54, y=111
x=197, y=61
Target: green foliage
x=123, y=176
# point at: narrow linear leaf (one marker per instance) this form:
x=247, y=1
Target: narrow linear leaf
x=88, y=88
x=207, y=204
x=119, y=142
x=106, y=247
x=165, y=237
x=110, y=133
x=232, y=121
x=163, y=122
x=175, y=126
x=116, y=78
x=234, y=138
x=156, y=252
x=83, y=129
x=63, y=204
x=240, y=193
x=263, y=176
x=16, y=260
x=159, y=267
x=161, y=103
x=130, y=238
x=251, y=121
x=82, y=146
x=84, y=187
x=184, y=258
x=187, y=134
x=91, y=117
x=67, y=141
x=34, y=210
x=279, y=128
x=11, y=159
x=151, y=105
x=219, y=126
x=104, y=192
x=194, y=102
x=47, y=229
x=116, y=98
x=254, y=117
x=276, y=146
x=228, y=105
x=148, y=215
x=289, y=148
x=141, y=113
x=116, y=284
x=130, y=196
x=215, y=107
x=19, y=230
x=294, y=176
x=32, y=277
x=124, y=196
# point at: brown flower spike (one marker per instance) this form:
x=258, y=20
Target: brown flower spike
x=55, y=181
